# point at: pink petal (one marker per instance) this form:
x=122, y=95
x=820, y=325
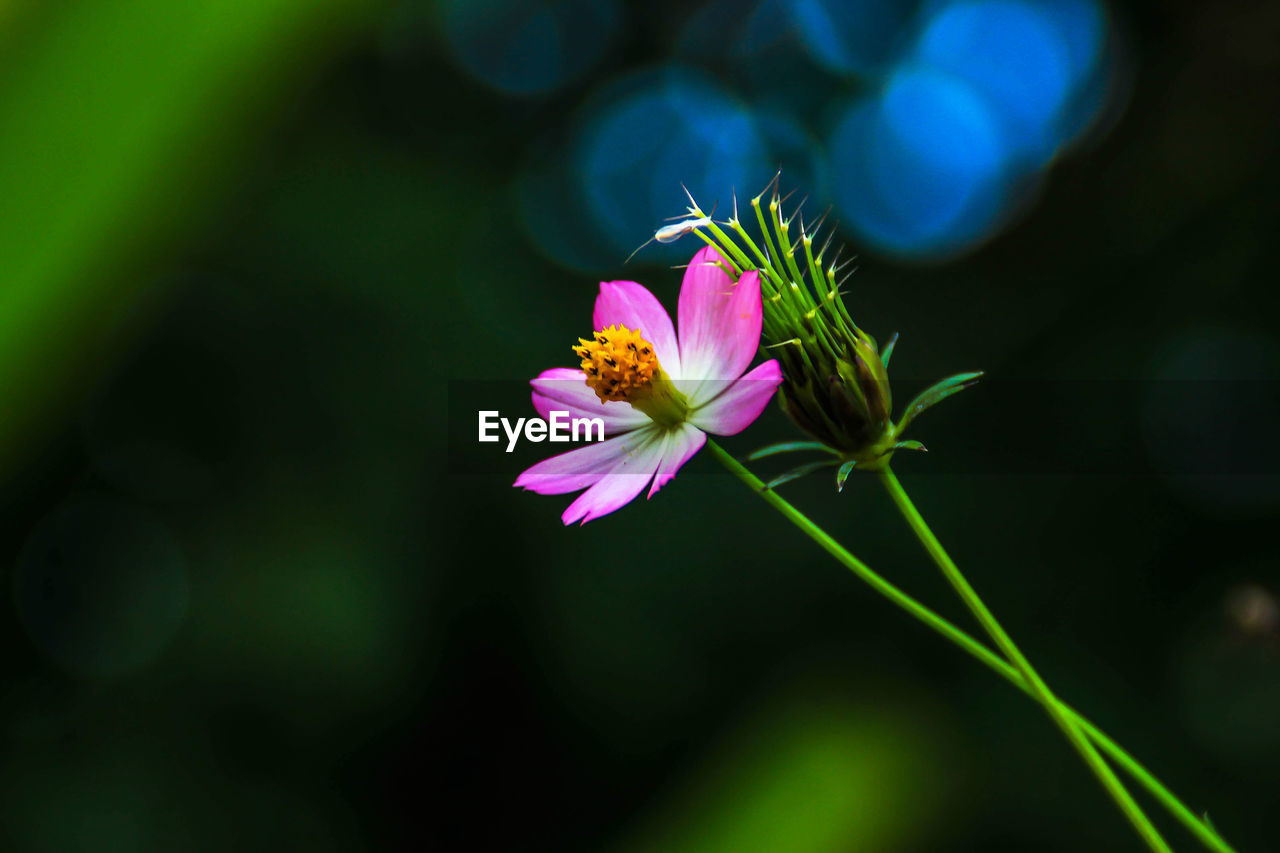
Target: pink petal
x=584, y=466
x=622, y=483
x=562, y=389
x=626, y=303
x=683, y=444
x=719, y=322
x=741, y=403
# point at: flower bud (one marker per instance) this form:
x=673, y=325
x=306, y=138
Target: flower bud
x=837, y=379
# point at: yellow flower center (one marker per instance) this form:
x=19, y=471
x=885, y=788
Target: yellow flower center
x=618, y=363
x=622, y=366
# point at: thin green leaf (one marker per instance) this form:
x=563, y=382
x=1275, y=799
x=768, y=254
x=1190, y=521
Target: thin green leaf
x=909, y=445
x=787, y=447
x=935, y=394
x=887, y=352
x=843, y=474
x=796, y=473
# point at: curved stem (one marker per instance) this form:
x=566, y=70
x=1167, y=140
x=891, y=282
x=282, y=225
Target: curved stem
x=1014, y=655
x=971, y=646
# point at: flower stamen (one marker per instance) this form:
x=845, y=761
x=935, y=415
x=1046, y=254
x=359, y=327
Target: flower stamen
x=622, y=366
x=618, y=363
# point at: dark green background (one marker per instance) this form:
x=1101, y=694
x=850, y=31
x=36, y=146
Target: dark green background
x=255, y=267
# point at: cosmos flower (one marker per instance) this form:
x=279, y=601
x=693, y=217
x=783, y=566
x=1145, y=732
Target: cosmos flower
x=658, y=394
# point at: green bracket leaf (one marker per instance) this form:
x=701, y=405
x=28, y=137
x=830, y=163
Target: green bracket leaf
x=935, y=394
x=887, y=352
x=796, y=473
x=787, y=447
x=908, y=445
x=843, y=474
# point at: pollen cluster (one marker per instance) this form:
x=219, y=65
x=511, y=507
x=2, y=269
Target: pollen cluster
x=619, y=363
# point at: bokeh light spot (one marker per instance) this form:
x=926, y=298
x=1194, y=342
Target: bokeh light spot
x=854, y=37
x=654, y=133
x=941, y=126
x=1017, y=56
x=1095, y=65
x=741, y=29
x=101, y=586
x=1082, y=27
x=919, y=171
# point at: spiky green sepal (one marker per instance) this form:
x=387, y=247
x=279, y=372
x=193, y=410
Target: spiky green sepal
x=837, y=378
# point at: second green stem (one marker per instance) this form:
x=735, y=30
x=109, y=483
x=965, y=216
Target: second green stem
x=977, y=650
x=1014, y=655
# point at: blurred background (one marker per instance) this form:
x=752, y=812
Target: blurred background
x=262, y=260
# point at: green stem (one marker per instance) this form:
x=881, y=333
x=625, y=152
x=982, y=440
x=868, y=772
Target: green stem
x=971, y=646
x=1014, y=655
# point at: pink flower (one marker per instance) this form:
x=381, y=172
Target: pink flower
x=657, y=394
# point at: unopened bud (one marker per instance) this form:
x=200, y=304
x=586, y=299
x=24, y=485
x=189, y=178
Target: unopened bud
x=837, y=380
